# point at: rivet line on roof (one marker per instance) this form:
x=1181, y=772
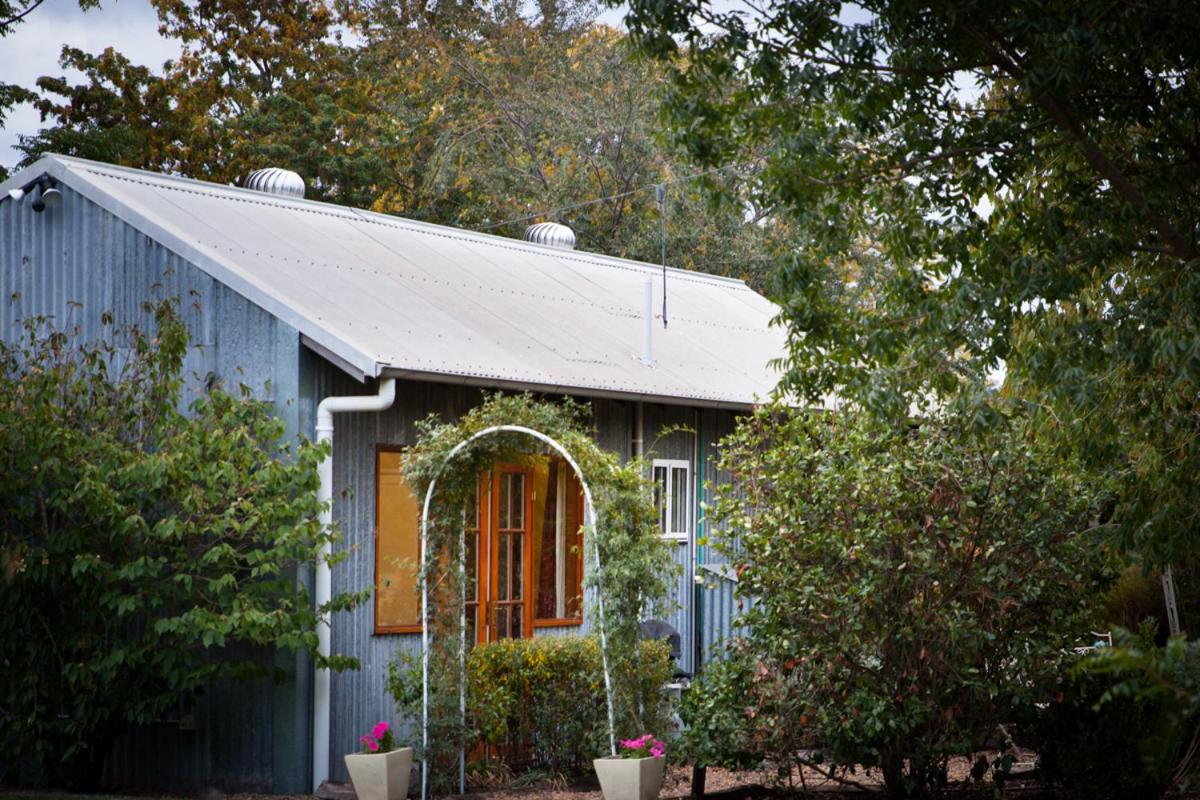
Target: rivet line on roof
x=616, y=311
x=351, y=214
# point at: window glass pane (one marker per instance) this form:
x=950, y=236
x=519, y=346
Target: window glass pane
x=660, y=496
x=679, y=500
x=573, y=546
x=546, y=509
x=557, y=542
x=397, y=546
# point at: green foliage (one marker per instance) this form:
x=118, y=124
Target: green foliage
x=145, y=551
x=635, y=561
x=717, y=712
x=1121, y=722
x=538, y=704
x=912, y=585
x=969, y=184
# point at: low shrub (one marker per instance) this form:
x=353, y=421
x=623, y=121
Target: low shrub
x=539, y=704
x=719, y=717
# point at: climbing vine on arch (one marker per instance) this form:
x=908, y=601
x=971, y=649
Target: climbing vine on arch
x=636, y=565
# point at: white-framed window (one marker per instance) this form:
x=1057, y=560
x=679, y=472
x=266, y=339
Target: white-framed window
x=672, y=497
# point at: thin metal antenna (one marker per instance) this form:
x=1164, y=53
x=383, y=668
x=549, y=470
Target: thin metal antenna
x=660, y=194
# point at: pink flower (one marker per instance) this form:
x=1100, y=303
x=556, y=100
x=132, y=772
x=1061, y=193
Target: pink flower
x=372, y=745
x=365, y=739
x=379, y=730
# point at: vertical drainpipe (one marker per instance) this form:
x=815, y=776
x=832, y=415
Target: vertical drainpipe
x=323, y=582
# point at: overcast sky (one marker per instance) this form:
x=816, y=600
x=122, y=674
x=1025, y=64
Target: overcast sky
x=130, y=26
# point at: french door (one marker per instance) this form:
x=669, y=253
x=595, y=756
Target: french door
x=497, y=557
x=524, y=551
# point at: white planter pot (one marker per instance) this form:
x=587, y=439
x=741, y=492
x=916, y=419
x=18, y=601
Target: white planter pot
x=630, y=778
x=380, y=776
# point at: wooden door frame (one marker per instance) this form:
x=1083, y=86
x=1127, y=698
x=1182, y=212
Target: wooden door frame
x=493, y=569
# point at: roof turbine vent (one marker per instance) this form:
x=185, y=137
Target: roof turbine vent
x=552, y=234
x=274, y=180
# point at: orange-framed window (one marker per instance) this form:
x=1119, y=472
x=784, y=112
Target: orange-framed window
x=538, y=521
x=397, y=547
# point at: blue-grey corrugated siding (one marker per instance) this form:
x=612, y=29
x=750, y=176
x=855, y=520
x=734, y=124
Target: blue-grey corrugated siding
x=718, y=595
x=73, y=263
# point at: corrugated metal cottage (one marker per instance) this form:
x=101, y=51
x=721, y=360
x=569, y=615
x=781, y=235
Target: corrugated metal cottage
x=304, y=301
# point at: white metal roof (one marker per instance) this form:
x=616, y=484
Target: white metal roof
x=383, y=295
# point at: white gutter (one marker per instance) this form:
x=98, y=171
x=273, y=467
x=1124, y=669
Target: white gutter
x=324, y=582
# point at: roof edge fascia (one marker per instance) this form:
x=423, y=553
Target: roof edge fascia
x=578, y=391
x=213, y=265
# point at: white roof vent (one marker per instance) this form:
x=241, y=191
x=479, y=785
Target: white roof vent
x=552, y=234
x=274, y=180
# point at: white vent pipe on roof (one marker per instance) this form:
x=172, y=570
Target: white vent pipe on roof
x=323, y=583
x=648, y=322
x=274, y=180
x=551, y=233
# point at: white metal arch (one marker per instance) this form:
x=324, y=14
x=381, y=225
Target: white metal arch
x=589, y=514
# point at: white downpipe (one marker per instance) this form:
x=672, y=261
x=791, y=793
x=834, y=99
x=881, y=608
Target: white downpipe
x=648, y=322
x=589, y=516
x=323, y=583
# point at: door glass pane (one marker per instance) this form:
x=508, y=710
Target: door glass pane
x=518, y=567
x=505, y=480
x=472, y=566
x=502, y=562
x=516, y=507
x=514, y=622
x=679, y=501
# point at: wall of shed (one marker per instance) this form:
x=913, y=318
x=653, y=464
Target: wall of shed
x=358, y=698
x=73, y=263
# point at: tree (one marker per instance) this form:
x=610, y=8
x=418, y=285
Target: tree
x=145, y=551
x=913, y=586
x=974, y=185
x=255, y=84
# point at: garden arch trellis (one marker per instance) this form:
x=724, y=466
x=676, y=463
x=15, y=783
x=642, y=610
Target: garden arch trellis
x=589, y=516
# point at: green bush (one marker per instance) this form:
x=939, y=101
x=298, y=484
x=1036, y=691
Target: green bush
x=539, y=703
x=912, y=584
x=144, y=552
x=719, y=715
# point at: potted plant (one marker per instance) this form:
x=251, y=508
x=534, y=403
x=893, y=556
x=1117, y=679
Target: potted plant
x=381, y=770
x=636, y=773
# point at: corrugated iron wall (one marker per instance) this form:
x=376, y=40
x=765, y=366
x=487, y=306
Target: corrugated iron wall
x=717, y=595
x=73, y=263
